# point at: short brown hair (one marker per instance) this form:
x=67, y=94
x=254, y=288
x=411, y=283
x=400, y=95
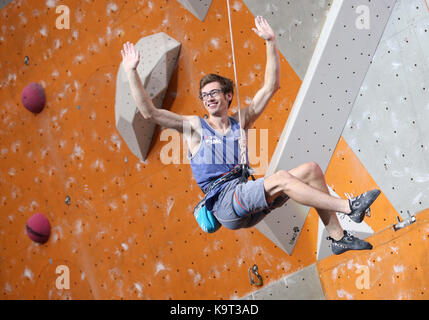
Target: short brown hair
x=226, y=85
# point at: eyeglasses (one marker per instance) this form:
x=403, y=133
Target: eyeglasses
x=214, y=93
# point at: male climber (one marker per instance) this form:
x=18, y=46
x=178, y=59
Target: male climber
x=214, y=150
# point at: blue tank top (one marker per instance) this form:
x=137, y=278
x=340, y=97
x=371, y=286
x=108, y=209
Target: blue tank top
x=216, y=155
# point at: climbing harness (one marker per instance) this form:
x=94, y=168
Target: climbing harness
x=205, y=218
x=235, y=172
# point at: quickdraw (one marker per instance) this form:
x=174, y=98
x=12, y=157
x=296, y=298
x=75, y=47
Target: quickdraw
x=254, y=271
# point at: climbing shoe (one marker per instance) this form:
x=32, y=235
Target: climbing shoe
x=348, y=242
x=360, y=205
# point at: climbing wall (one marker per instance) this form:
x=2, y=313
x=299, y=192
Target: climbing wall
x=298, y=25
x=395, y=270
x=324, y=102
x=121, y=226
x=387, y=129
x=126, y=229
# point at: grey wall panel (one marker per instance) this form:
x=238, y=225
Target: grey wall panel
x=4, y=3
x=198, y=8
x=338, y=67
x=301, y=285
x=388, y=127
x=297, y=24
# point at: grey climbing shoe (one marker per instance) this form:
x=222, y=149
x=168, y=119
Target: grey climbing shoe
x=348, y=242
x=360, y=205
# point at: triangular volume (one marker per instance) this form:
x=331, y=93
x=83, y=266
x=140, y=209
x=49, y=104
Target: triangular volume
x=159, y=55
x=198, y=8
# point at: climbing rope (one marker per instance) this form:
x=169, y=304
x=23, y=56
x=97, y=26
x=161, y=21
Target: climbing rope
x=242, y=144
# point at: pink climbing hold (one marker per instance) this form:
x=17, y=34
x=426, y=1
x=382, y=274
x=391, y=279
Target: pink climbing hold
x=33, y=97
x=38, y=228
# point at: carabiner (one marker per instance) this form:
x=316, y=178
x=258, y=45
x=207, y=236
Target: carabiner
x=254, y=270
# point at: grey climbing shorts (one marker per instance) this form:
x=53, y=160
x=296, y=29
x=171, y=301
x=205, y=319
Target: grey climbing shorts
x=243, y=205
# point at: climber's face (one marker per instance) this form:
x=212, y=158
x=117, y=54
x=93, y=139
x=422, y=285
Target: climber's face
x=215, y=101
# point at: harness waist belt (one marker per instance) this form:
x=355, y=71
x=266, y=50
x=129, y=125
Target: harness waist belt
x=239, y=170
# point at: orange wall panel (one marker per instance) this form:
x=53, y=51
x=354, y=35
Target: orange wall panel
x=128, y=231
x=395, y=269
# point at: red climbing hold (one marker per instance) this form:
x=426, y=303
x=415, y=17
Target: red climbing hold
x=38, y=228
x=33, y=97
